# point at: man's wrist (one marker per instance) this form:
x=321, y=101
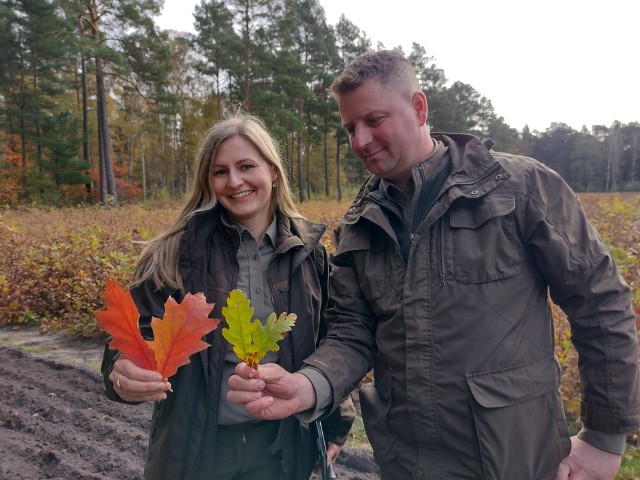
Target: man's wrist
x=609, y=442
x=306, y=393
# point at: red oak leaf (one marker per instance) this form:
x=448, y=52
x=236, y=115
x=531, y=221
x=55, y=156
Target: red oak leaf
x=179, y=334
x=120, y=320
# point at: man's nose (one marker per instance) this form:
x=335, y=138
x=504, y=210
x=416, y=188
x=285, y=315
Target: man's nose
x=361, y=138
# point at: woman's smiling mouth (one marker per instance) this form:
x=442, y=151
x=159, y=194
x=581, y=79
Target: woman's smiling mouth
x=242, y=194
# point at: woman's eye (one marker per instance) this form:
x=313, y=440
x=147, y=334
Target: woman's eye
x=219, y=173
x=246, y=167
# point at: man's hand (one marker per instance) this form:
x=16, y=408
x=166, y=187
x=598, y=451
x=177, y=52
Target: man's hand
x=586, y=462
x=332, y=452
x=270, y=392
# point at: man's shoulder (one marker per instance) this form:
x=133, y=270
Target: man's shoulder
x=521, y=165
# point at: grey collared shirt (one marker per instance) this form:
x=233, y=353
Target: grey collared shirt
x=253, y=257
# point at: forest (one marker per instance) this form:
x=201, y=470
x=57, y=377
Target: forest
x=99, y=105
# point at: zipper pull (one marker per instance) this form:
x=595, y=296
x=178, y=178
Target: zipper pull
x=244, y=439
x=443, y=281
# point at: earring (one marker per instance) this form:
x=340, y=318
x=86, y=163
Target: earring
x=273, y=185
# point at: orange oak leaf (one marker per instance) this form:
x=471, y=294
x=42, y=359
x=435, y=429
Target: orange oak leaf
x=179, y=334
x=120, y=320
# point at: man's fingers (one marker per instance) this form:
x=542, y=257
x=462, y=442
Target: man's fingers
x=243, y=391
x=245, y=371
x=260, y=408
x=332, y=452
x=562, y=474
x=242, y=384
x=255, y=403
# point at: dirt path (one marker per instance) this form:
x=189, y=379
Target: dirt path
x=56, y=423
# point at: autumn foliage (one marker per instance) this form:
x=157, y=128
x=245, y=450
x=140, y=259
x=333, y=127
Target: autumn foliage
x=54, y=262
x=177, y=336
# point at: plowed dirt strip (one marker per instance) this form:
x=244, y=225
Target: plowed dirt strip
x=56, y=423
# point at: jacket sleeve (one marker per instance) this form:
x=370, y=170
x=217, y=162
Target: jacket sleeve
x=351, y=328
x=584, y=281
x=150, y=303
x=338, y=424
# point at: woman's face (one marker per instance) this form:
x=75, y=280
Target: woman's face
x=242, y=181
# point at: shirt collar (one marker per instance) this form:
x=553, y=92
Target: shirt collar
x=271, y=233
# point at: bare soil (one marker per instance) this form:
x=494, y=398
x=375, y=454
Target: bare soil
x=56, y=422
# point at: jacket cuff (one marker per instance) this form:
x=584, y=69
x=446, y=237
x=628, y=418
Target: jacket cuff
x=324, y=395
x=609, y=442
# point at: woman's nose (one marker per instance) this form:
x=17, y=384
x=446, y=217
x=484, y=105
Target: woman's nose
x=234, y=178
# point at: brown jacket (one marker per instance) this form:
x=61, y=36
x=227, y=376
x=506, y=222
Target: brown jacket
x=461, y=335
x=183, y=431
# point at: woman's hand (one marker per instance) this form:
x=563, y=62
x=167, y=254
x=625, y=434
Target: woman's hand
x=135, y=384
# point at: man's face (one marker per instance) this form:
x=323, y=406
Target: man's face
x=384, y=128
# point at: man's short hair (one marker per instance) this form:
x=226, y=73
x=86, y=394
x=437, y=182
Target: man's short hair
x=386, y=66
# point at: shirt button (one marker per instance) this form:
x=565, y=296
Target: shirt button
x=418, y=474
x=257, y=290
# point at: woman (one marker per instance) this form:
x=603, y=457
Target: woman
x=239, y=229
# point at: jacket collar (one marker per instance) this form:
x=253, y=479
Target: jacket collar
x=474, y=173
x=297, y=233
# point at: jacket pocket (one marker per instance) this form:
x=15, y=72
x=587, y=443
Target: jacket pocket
x=520, y=426
x=375, y=410
x=484, y=242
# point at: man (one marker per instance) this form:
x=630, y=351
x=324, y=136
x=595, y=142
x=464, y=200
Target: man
x=440, y=282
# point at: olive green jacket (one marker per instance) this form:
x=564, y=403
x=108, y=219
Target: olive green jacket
x=461, y=335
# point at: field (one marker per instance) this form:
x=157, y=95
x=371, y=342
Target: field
x=54, y=263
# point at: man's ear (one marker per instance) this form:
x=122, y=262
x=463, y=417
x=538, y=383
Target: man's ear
x=421, y=107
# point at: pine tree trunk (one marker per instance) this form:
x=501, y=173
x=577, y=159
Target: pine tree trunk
x=300, y=169
x=338, y=168
x=107, y=178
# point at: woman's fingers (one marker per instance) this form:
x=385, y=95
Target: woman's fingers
x=136, y=384
x=130, y=370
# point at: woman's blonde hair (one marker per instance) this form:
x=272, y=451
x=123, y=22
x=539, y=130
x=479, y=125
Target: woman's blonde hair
x=159, y=258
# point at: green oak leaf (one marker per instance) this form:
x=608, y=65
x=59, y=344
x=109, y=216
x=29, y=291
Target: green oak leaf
x=250, y=339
